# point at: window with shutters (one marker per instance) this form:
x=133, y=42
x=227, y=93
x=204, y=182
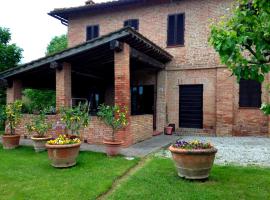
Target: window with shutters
x=249, y=93
x=134, y=23
x=176, y=29
x=92, y=32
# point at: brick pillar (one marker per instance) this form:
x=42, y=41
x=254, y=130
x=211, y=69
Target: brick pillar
x=122, y=88
x=161, y=100
x=15, y=91
x=63, y=86
x=224, y=102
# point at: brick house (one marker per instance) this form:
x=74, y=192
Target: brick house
x=152, y=56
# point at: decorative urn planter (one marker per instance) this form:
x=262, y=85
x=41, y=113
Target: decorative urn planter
x=112, y=146
x=62, y=156
x=10, y=141
x=193, y=163
x=168, y=130
x=39, y=143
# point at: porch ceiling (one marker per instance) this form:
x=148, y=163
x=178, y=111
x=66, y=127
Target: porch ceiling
x=97, y=53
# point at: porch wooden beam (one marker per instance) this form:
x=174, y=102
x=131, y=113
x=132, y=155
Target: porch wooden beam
x=88, y=75
x=146, y=59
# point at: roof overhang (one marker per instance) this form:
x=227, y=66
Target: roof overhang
x=63, y=14
x=142, y=48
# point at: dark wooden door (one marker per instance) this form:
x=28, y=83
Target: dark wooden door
x=191, y=106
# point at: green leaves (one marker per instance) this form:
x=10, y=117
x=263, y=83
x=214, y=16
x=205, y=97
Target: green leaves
x=39, y=124
x=113, y=116
x=11, y=113
x=36, y=100
x=242, y=41
x=10, y=54
x=57, y=44
x=75, y=118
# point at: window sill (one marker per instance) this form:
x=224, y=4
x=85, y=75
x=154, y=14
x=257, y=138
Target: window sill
x=175, y=46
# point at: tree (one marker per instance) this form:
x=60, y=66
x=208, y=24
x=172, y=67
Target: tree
x=57, y=44
x=10, y=54
x=38, y=100
x=242, y=40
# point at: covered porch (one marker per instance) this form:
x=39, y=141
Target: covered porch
x=119, y=68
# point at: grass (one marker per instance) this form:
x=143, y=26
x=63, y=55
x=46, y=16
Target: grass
x=158, y=180
x=25, y=174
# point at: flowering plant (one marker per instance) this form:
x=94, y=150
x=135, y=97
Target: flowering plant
x=64, y=139
x=113, y=116
x=39, y=124
x=75, y=118
x=195, y=144
x=12, y=114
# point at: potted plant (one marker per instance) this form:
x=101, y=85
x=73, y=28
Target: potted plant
x=116, y=118
x=193, y=159
x=11, y=114
x=39, y=125
x=63, y=151
x=168, y=130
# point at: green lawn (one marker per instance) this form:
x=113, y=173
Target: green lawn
x=25, y=174
x=158, y=180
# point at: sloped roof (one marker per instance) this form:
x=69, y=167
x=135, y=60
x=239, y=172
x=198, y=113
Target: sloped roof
x=127, y=34
x=63, y=14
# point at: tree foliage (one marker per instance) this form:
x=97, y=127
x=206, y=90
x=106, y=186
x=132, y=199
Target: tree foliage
x=57, y=44
x=39, y=100
x=10, y=54
x=242, y=39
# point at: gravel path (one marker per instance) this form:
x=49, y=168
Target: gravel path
x=236, y=150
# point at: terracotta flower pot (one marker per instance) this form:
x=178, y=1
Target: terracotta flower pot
x=39, y=143
x=168, y=130
x=112, y=146
x=62, y=156
x=10, y=141
x=193, y=164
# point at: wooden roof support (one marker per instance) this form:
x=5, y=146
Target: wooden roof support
x=146, y=59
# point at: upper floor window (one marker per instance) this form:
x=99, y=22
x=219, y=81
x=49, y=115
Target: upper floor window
x=176, y=28
x=134, y=23
x=92, y=32
x=249, y=93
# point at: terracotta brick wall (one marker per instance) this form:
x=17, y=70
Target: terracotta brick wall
x=63, y=86
x=224, y=102
x=206, y=77
x=194, y=63
x=21, y=128
x=122, y=88
x=15, y=91
x=141, y=127
x=153, y=24
x=250, y=121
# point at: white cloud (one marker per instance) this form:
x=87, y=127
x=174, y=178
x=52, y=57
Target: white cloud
x=30, y=26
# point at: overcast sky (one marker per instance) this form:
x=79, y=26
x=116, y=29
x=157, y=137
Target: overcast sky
x=30, y=26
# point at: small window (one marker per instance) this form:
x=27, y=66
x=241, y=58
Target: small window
x=249, y=93
x=134, y=23
x=176, y=27
x=92, y=32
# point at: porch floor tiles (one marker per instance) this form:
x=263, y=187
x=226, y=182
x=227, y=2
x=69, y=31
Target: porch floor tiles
x=140, y=149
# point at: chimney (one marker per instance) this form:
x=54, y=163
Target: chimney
x=89, y=2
